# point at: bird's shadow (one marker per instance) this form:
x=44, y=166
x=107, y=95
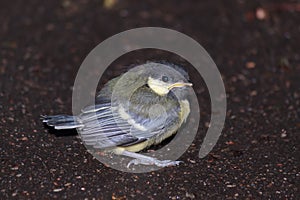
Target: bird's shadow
x=61, y=133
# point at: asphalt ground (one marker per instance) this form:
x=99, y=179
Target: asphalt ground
x=255, y=45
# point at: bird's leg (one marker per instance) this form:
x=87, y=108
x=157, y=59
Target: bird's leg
x=147, y=160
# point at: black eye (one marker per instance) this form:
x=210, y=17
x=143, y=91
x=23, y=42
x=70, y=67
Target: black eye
x=165, y=78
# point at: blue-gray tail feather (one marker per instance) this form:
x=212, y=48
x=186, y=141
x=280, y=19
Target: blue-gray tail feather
x=61, y=122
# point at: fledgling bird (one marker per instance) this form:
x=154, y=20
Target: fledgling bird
x=133, y=111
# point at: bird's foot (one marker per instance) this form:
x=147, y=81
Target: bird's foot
x=153, y=161
x=140, y=159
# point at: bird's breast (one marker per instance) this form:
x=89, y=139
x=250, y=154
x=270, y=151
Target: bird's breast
x=184, y=110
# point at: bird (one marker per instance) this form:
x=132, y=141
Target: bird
x=133, y=112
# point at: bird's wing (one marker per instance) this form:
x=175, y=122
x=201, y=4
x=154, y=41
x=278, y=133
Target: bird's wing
x=105, y=127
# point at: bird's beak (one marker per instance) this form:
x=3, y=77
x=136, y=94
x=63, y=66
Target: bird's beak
x=179, y=84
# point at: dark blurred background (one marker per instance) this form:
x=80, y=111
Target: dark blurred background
x=255, y=45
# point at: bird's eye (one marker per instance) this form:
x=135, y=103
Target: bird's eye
x=165, y=78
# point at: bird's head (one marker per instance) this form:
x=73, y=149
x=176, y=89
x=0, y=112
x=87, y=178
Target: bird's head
x=162, y=79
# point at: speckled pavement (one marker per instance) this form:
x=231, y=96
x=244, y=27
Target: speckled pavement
x=255, y=44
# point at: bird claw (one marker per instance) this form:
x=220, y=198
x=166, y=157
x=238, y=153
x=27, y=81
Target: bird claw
x=153, y=161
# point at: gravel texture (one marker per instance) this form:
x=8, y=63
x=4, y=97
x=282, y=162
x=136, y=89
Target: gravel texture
x=256, y=47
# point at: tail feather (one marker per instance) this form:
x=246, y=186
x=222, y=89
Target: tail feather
x=60, y=122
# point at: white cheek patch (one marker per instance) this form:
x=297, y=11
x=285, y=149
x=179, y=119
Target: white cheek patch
x=159, y=87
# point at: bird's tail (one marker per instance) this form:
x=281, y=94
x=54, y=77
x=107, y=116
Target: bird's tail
x=60, y=122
